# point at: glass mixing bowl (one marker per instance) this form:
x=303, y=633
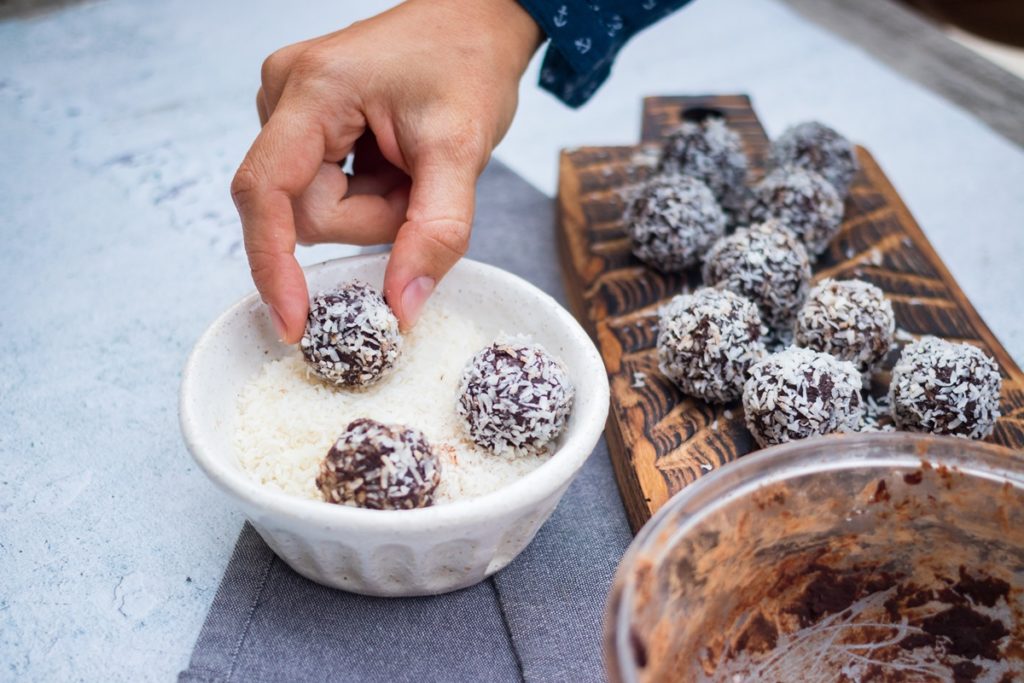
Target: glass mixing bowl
x=853, y=557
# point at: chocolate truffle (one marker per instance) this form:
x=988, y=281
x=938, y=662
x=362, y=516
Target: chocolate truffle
x=850, y=319
x=707, y=342
x=351, y=337
x=805, y=202
x=514, y=397
x=798, y=393
x=817, y=147
x=380, y=467
x=711, y=152
x=673, y=222
x=945, y=388
x=766, y=264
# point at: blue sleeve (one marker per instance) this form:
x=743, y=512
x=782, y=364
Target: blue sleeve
x=585, y=37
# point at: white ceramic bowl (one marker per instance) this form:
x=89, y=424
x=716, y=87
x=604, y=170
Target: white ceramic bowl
x=406, y=552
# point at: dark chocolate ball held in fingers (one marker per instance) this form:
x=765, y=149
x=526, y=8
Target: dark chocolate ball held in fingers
x=352, y=337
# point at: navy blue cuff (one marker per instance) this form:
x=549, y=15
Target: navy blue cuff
x=586, y=36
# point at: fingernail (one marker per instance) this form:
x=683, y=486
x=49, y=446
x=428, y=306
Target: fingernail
x=415, y=295
x=278, y=321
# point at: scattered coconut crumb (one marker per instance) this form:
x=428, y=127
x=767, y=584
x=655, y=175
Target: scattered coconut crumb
x=647, y=155
x=876, y=416
x=903, y=336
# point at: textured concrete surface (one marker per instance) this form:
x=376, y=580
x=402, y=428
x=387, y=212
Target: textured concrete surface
x=120, y=125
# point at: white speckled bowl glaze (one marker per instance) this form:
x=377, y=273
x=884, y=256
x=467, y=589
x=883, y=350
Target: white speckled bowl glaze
x=407, y=552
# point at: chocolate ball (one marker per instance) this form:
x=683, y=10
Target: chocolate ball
x=352, y=337
x=945, y=388
x=380, y=467
x=707, y=342
x=766, y=264
x=514, y=397
x=711, y=152
x=804, y=201
x=815, y=146
x=850, y=319
x=673, y=221
x=798, y=393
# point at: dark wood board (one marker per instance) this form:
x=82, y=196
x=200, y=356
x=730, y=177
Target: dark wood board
x=661, y=440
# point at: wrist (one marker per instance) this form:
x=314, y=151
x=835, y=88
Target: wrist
x=506, y=27
x=513, y=21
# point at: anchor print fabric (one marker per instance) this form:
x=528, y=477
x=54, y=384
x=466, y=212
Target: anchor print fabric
x=585, y=37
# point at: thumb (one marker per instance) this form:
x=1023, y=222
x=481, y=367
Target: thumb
x=434, y=236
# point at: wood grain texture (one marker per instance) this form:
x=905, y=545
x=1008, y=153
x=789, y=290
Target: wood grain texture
x=661, y=440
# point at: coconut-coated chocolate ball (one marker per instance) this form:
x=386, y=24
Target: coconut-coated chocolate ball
x=352, y=337
x=850, y=319
x=380, y=467
x=815, y=146
x=673, y=221
x=798, y=393
x=514, y=397
x=945, y=388
x=766, y=264
x=804, y=201
x=711, y=152
x=707, y=342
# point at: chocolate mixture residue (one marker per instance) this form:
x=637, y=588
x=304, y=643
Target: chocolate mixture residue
x=944, y=624
x=760, y=635
x=914, y=478
x=830, y=592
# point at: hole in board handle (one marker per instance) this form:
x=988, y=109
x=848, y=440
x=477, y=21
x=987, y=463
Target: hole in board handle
x=701, y=114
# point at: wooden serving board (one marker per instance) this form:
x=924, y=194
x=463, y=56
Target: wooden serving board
x=661, y=440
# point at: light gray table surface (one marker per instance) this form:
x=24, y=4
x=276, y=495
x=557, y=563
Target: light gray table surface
x=121, y=123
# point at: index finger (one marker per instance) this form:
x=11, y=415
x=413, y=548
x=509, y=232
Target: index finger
x=281, y=163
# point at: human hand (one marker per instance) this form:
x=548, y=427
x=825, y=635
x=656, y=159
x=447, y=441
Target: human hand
x=420, y=94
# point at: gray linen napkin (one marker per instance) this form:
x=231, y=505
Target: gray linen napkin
x=539, y=619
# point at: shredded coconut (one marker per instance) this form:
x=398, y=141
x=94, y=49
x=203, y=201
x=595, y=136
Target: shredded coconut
x=707, y=342
x=850, y=319
x=804, y=201
x=945, y=388
x=876, y=417
x=672, y=221
x=351, y=336
x=766, y=264
x=799, y=393
x=711, y=152
x=514, y=397
x=817, y=147
x=287, y=420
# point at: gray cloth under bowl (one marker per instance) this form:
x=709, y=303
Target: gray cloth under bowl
x=539, y=619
